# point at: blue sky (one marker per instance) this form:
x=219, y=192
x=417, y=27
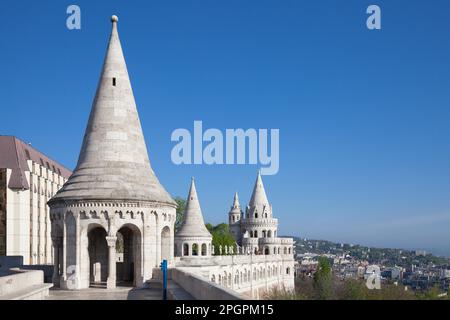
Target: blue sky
x=363, y=115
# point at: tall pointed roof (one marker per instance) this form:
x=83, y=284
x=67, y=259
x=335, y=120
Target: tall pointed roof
x=193, y=223
x=113, y=163
x=236, y=203
x=236, y=207
x=259, y=196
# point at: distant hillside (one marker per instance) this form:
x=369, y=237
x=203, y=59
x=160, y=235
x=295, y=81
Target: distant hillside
x=386, y=256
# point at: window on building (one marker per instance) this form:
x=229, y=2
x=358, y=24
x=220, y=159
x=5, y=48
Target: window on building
x=185, y=249
x=114, y=82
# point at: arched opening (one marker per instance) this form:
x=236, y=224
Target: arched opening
x=256, y=233
x=204, y=249
x=285, y=250
x=185, y=249
x=128, y=255
x=288, y=271
x=166, y=244
x=266, y=251
x=269, y=234
x=98, y=256
x=195, y=249
x=264, y=233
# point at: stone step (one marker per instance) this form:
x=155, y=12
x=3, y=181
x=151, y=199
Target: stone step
x=97, y=285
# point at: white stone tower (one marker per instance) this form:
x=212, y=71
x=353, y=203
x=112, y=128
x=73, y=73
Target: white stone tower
x=193, y=240
x=234, y=219
x=113, y=195
x=259, y=227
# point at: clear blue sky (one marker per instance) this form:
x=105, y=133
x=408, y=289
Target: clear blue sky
x=363, y=115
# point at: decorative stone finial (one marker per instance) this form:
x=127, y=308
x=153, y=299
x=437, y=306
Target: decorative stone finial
x=114, y=18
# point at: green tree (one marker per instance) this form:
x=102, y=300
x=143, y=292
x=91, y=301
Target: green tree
x=431, y=294
x=354, y=290
x=323, y=280
x=180, y=212
x=221, y=237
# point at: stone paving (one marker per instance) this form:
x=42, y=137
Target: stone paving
x=120, y=293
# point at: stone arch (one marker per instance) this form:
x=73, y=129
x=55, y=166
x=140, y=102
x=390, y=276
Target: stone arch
x=185, y=249
x=195, y=249
x=266, y=251
x=264, y=233
x=166, y=244
x=98, y=253
x=204, y=249
x=129, y=237
x=269, y=234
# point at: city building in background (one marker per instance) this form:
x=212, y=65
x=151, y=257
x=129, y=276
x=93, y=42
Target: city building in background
x=28, y=179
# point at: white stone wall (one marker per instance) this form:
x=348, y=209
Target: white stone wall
x=250, y=275
x=151, y=227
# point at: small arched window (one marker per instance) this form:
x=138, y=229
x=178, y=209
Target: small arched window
x=204, y=249
x=195, y=249
x=185, y=249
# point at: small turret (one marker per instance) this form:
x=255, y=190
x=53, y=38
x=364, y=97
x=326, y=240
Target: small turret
x=193, y=239
x=235, y=216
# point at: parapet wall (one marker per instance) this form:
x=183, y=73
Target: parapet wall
x=17, y=284
x=200, y=288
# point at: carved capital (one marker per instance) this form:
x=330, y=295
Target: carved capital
x=111, y=241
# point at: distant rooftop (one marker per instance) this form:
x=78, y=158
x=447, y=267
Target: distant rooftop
x=14, y=154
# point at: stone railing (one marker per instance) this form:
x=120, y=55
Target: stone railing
x=17, y=284
x=202, y=289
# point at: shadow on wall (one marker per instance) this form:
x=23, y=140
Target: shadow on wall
x=8, y=262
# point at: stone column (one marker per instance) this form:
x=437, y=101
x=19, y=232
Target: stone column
x=56, y=271
x=64, y=251
x=111, y=282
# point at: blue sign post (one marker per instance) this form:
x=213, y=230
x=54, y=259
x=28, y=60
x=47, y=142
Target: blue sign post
x=164, y=272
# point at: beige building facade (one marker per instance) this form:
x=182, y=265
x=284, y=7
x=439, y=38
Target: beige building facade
x=28, y=179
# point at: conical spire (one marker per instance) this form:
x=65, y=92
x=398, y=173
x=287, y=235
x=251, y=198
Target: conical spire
x=193, y=223
x=259, y=196
x=236, y=203
x=113, y=163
